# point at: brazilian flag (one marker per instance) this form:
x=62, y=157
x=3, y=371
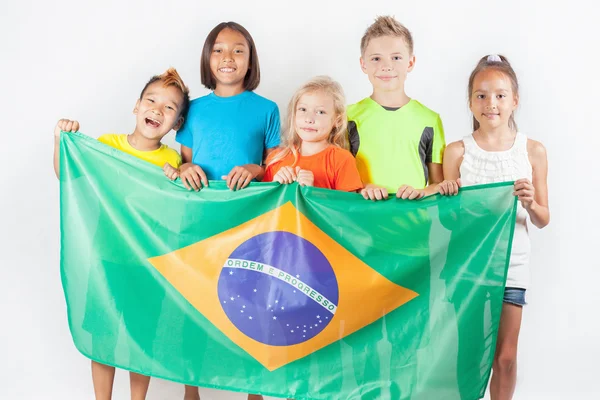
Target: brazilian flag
x=281, y=290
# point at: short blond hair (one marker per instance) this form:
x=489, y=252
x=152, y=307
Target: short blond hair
x=386, y=26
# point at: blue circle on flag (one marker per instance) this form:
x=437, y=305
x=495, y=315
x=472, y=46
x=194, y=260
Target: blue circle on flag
x=278, y=289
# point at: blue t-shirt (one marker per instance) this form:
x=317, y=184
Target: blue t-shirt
x=225, y=132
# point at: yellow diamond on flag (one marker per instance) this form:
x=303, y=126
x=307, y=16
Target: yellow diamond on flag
x=279, y=287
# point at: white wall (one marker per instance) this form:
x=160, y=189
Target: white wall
x=68, y=58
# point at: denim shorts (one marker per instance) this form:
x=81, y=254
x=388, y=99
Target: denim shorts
x=514, y=296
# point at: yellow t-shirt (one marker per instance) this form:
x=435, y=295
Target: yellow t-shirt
x=159, y=157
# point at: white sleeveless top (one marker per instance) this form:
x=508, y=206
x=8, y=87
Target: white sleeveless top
x=479, y=167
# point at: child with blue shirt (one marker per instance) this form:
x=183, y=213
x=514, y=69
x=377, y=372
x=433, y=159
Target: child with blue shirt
x=229, y=132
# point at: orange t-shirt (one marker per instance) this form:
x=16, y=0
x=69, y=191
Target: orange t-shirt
x=333, y=168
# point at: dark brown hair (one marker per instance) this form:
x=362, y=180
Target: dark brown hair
x=503, y=66
x=252, y=78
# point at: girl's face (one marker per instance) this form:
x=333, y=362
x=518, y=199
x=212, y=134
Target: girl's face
x=315, y=116
x=493, y=100
x=230, y=58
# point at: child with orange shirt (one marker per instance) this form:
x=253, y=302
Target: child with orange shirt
x=314, y=151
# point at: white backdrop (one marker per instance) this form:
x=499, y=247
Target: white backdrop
x=71, y=59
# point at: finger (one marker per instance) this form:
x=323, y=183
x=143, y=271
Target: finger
x=244, y=180
x=459, y=182
x=229, y=176
x=442, y=189
x=68, y=126
x=174, y=175
x=185, y=183
x=194, y=180
x=235, y=178
x=75, y=126
x=378, y=194
x=414, y=195
x=280, y=177
x=289, y=174
x=293, y=172
x=364, y=194
x=240, y=180
x=202, y=175
x=247, y=181
x=401, y=191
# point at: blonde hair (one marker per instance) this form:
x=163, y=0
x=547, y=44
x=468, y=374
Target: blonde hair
x=498, y=63
x=291, y=141
x=386, y=26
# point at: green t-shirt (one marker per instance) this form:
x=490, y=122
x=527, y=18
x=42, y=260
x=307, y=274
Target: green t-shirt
x=393, y=146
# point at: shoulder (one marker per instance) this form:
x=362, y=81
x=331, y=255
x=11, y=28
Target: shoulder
x=197, y=105
x=263, y=102
x=111, y=138
x=198, y=101
x=339, y=157
x=353, y=109
x=419, y=108
x=536, y=151
x=276, y=152
x=535, y=148
x=339, y=153
x=171, y=155
x=454, y=150
x=208, y=100
x=169, y=150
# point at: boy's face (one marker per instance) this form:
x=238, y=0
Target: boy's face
x=158, y=111
x=387, y=61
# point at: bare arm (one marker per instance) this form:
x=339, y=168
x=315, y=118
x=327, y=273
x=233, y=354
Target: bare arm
x=57, y=156
x=186, y=154
x=260, y=174
x=452, y=160
x=534, y=195
x=436, y=176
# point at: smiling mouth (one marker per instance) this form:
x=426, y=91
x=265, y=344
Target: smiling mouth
x=227, y=70
x=152, y=122
x=487, y=115
x=386, y=78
